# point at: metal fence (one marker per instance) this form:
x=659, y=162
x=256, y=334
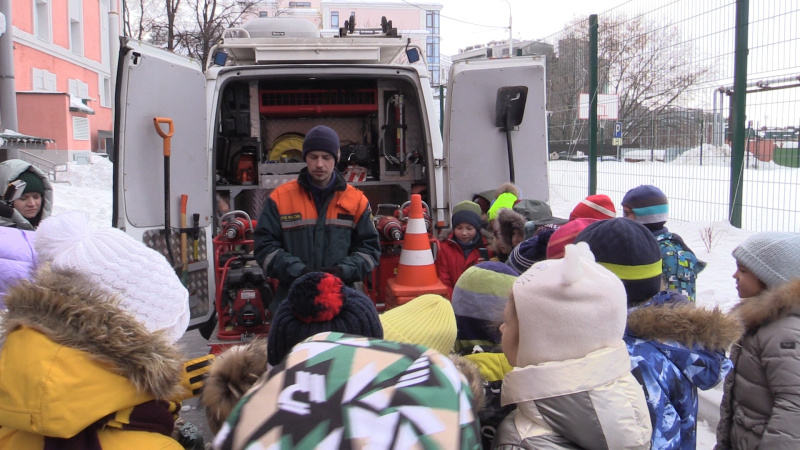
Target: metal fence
x=665, y=74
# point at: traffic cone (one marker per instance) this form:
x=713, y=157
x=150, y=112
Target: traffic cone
x=416, y=273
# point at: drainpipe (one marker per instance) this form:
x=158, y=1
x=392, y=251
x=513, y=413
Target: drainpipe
x=8, y=89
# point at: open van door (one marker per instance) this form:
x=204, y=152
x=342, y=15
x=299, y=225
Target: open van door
x=495, y=128
x=161, y=154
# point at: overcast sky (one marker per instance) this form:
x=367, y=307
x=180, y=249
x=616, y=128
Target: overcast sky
x=488, y=19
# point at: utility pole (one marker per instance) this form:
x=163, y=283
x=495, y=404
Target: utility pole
x=8, y=90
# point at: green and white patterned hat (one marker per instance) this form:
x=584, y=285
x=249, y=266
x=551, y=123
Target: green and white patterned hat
x=342, y=391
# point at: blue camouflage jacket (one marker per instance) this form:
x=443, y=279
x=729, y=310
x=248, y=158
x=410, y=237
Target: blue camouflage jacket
x=676, y=348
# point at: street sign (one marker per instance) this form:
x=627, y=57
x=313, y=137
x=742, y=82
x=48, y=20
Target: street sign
x=616, y=141
x=617, y=130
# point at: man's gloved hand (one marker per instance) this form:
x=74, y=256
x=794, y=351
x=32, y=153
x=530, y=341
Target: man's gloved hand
x=334, y=270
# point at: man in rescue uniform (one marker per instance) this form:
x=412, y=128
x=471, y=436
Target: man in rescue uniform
x=317, y=223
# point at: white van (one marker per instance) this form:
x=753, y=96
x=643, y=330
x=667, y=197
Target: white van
x=237, y=130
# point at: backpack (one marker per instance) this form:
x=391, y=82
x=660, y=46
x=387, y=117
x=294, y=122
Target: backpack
x=679, y=265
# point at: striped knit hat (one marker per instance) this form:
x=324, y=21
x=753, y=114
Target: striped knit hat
x=479, y=298
x=594, y=207
x=566, y=235
x=648, y=203
x=427, y=320
x=629, y=250
x=531, y=250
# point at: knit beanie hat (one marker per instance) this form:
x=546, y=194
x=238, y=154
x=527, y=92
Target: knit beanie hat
x=531, y=250
x=479, y=298
x=629, y=250
x=321, y=139
x=427, y=320
x=568, y=308
x=594, y=207
x=566, y=234
x=342, y=391
x=119, y=265
x=319, y=302
x=469, y=206
x=467, y=216
x=533, y=209
x=771, y=256
x=648, y=204
x=504, y=200
x=33, y=182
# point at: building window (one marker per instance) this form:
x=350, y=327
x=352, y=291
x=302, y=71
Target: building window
x=105, y=91
x=80, y=128
x=432, y=44
x=42, y=25
x=78, y=89
x=43, y=80
x=334, y=19
x=76, y=27
x=104, y=7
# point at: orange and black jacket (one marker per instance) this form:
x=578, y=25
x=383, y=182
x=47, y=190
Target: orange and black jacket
x=292, y=235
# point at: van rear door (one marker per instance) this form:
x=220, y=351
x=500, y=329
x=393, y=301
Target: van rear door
x=475, y=149
x=153, y=83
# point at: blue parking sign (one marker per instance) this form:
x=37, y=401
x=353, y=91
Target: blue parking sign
x=617, y=129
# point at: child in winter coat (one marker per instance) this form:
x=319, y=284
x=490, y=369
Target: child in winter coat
x=571, y=381
x=761, y=402
x=648, y=205
x=479, y=299
x=462, y=249
x=36, y=202
x=88, y=350
x=675, y=347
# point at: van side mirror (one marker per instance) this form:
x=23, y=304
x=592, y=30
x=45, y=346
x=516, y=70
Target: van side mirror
x=510, y=106
x=412, y=54
x=220, y=58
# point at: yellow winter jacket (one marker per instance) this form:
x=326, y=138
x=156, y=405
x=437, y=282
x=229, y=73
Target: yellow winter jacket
x=48, y=389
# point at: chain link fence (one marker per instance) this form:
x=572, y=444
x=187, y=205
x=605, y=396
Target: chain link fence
x=665, y=71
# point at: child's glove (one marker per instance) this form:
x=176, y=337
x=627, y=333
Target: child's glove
x=195, y=372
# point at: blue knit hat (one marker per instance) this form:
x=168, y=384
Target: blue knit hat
x=467, y=216
x=648, y=204
x=629, y=250
x=319, y=302
x=321, y=139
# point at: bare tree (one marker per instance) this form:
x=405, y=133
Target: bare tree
x=649, y=66
x=211, y=19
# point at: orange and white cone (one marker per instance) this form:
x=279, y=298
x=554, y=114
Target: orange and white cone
x=416, y=272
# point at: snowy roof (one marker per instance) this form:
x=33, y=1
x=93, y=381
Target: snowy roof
x=12, y=136
x=76, y=104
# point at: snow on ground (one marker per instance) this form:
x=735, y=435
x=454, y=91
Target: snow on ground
x=89, y=189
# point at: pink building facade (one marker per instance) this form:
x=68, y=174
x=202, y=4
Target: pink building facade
x=62, y=66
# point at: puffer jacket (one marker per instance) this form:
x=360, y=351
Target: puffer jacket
x=292, y=235
x=761, y=401
x=451, y=263
x=78, y=372
x=675, y=349
x=586, y=403
x=9, y=171
x=17, y=257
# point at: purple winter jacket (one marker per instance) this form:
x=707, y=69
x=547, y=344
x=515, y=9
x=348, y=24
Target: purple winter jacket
x=17, y=257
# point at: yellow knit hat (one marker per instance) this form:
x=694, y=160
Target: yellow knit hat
x=427, y=320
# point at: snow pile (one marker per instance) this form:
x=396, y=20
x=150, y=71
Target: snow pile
x=707, y=155
x=87, y=188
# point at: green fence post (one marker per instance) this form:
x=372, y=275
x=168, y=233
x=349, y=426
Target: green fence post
x=592, y=104
x=738, y=105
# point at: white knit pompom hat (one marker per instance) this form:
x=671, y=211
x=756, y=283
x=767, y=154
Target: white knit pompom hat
x=568, y=308
x=774, y=257
x=116, y=263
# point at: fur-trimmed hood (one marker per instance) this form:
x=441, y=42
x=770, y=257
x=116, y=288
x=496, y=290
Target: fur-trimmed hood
x=70, y=313
x=687, y=324
x=771, y=305
x=233, y=373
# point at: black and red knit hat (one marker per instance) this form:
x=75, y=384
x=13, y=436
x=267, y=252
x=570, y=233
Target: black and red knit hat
x=319, y=302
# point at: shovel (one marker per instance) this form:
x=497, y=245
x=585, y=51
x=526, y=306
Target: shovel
x=184, y=244
x=166, y=137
